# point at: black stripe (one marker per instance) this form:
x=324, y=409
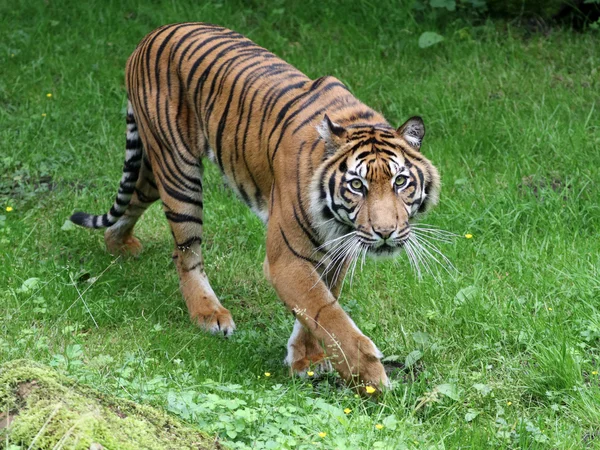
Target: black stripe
x=308, y=234
x=189, y=242
x=223, y=120
x=181, y=196
x=105, y=221
x=195, y=266
x=181, y=218
x=120, y=202
x=294, y=252
x=126, y=190
x=299, y=109
x=321, y=309
x=143, y=197
x=133, y=144
x=115, y=213
x=132, y=166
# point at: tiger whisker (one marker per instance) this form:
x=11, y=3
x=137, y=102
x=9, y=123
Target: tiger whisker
x=352, y=261
x=341, y=260
x=338, y=252
x=428, y=225
x=329, y=253
x=417, y=258
x=428, y=245
x=424, y=258
x=439, y=231
x=332, y=241
x=426, y=255
x=322, y=224
x=441, y=238
x=333, y=256
x=364, y=256
x=362, y=251
x=411, y=258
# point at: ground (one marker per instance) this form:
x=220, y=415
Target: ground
x=503, y=352
x=58, y=413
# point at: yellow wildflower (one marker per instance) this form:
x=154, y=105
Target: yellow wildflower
x=267, y=374
x=49, y=95
x=310, y=373
x=468, y=235
x=379, y=426
x=370, y=389
x=549, y=309
x=595, y=372
x=347, y=411
x=43, y=114
x=508, y=403
x=322, y=434
x=9, y=208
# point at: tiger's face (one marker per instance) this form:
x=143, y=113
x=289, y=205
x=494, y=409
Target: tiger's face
x=371, y=185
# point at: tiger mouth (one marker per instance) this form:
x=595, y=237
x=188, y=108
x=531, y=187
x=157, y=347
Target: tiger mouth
x=384, y=248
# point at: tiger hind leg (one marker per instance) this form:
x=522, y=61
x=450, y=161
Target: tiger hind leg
x=183, y=208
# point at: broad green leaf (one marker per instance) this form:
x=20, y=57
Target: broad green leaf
x=412, y=358
x=429, y=38
x=30, y=284
x=465, y=294
x=449, y=390
x=390, y=422
x=450, y=5
x=421, y=337
x=391, y=358
x=68, y=226
x=471, y=415
x=483, y=389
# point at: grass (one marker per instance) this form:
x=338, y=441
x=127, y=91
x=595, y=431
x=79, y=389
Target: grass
x=507, y=349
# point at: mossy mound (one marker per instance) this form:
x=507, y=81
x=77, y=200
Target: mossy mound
x=41, y=409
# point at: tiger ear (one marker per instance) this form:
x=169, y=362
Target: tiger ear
x=412, y=131
x=333, y=134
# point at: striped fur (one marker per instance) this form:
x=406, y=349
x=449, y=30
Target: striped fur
x=312, y=161
x=131, y=170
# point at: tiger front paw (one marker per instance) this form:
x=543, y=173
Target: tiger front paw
x=359, y=363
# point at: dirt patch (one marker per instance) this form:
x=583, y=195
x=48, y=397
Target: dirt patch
x=22, y=185
x=6, y=419
x=396, y=370
x=538, y=186
x=119, y=413
x=24, y=389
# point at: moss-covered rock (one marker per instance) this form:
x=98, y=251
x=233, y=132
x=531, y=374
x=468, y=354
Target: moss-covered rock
x=41, y=409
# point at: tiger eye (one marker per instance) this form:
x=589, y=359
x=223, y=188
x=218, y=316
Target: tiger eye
x=356, y=184
x=400, y=180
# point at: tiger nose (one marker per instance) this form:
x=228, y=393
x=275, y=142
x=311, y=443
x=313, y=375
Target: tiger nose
x=384, y=233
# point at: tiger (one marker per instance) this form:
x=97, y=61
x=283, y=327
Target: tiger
x=329, y=177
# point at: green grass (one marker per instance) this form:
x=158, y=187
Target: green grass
x=512, y=124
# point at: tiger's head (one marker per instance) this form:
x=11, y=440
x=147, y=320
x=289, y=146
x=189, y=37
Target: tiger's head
x=372, y=183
